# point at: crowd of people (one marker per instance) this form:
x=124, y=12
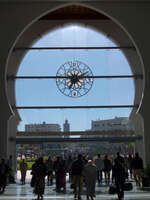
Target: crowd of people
x=82, y=170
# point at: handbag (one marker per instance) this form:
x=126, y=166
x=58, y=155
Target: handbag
x=145, y=182
x=112, y=189
x=32, y=183
x=128, y=186
x=72, y=186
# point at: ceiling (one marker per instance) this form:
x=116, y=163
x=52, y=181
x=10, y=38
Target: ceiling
x=74, y=12
x=71, y=1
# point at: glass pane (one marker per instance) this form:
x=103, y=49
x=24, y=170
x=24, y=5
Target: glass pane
x=79, y=119
x=45, y=92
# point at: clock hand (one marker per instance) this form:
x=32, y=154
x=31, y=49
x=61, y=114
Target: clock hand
x=83, y=74
x=71, y=86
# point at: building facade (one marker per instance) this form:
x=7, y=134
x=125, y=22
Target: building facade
x=44, y=127
x=116, y=124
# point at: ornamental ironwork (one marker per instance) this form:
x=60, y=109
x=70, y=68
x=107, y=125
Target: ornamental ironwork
x=74, y=79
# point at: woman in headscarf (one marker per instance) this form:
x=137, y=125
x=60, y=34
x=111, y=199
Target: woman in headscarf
x=60, y=171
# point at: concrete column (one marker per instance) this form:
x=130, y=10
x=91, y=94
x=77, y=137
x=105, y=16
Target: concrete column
x=12, y=131
x=3, y=138
x=138, y=123
x=146, y=117
x=5, y=111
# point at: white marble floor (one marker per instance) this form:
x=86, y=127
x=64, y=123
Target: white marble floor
x=18, y=191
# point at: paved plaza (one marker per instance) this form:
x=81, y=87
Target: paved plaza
x=18, y=191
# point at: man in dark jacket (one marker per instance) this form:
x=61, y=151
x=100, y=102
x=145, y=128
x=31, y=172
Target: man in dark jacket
x=120, y=158
x=77, y=179
x=118, y=171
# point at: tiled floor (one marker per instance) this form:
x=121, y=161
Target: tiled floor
x=17, y=191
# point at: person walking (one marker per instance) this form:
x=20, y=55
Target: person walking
x=23, y=170
x=90, y=173
x=130, y=161
x=32, y=183
x=57, y=169
x=107, y=169
x=60, y=172
x=62, y=175
x=137, y=165
x=100, y=166
x=118, y=171
x=120, y=158
x=39, y=171
x=77, y=178
x=68, y=164
x=49, y=167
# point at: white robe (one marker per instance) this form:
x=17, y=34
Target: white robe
x=90, y=174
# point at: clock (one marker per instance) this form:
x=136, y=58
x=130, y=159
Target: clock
x=74, y=79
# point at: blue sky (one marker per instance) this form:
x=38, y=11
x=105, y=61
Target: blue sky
x=45, y=92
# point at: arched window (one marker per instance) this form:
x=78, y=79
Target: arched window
x=86, y=53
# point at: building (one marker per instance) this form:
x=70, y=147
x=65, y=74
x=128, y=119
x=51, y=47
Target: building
x=44, y=127
x=116, y=124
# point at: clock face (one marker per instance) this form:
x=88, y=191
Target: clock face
x=76, y=79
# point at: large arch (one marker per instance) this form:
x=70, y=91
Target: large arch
x=52, y=21
x=106, y=8
x=102, y=23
